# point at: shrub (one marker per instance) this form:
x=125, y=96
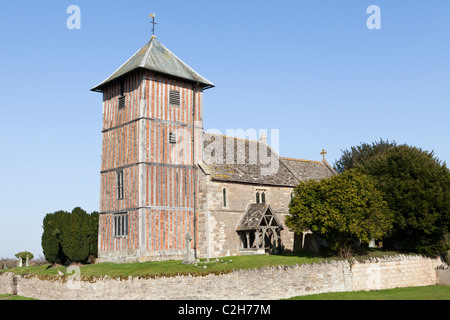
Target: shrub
x=70, y=237
x=23, y=255
x=51, y=237
x=75, y=236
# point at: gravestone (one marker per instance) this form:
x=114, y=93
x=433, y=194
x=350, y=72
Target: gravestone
x=189, y=257
x=20, y=261
x=27, y=261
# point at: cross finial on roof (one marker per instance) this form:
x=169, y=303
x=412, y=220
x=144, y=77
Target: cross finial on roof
x=323, y=153
x=153, y=22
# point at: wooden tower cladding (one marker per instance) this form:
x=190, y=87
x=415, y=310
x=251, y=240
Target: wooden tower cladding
x=152, y=142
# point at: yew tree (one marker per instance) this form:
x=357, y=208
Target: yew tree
x=51, y=237
x=416, y=185
x=358, y=155
x=70, y=236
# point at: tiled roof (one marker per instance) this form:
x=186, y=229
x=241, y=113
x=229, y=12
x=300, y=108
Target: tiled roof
x=305, y=170
x=247, y=161
x=240, y=161
x=254, y=215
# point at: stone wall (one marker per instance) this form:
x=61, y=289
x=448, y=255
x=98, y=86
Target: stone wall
x=6, y=283
x=265, y=283
x=217, y=223
x=443, y=276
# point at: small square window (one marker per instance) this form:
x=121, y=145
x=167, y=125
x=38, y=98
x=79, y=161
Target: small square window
x=172, y=137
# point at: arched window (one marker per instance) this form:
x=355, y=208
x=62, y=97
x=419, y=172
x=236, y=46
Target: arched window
x=224, y=192
x=260, y=196
x=120, y=224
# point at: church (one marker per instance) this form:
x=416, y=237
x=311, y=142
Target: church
x=168, y=186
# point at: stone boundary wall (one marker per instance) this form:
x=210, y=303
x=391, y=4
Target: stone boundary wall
x=443, y=276
x=258, y=284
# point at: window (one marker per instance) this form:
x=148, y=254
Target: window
x=172, y=137
x=121, y=102
x=260, y=196
x=224, y=191
x=121, y=98
x=119, y=184
x=174, y=98
x=121, y=224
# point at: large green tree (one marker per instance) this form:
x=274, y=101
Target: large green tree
x=341, y=210
x=93, y=234
x=70, y=237
x=51, y=237
x=358, y=155
x=75, y=237
x=416, y=185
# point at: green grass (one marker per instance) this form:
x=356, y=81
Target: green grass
x=167, y=268
x=436, y=292
x=11, y=297
x=228, y=264
x=170, y=268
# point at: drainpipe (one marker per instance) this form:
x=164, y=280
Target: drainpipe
x=194, y=87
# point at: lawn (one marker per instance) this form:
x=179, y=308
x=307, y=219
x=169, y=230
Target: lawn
x=168, y=268
x=11, y=297
x=436, y=292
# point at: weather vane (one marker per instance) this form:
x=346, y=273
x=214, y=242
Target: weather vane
x=153, y=22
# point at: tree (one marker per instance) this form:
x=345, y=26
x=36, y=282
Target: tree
x=75, y=236
x=341, y=210
x=51, y=237
x=417, y=188
x=70, y=236
x=23, y=255
x=93, y=234
x=358, y=155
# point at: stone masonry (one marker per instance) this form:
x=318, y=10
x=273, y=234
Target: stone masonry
x=284, y=282
x=217, y=224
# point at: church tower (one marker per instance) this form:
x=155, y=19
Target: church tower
x=152, y=138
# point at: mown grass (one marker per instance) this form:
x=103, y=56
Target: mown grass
x=435, y=292
x=11, y=297
x=170, y=268
x=167, y=268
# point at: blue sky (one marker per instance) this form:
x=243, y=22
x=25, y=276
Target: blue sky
x=311, y=69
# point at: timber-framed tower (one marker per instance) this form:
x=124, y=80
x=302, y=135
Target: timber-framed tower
x=152, y=140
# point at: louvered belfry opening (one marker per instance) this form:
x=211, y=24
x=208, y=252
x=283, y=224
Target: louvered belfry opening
x=259, y=228
x=121, y=98
x=174, y=98
x=172, y=137
x=121, y=101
